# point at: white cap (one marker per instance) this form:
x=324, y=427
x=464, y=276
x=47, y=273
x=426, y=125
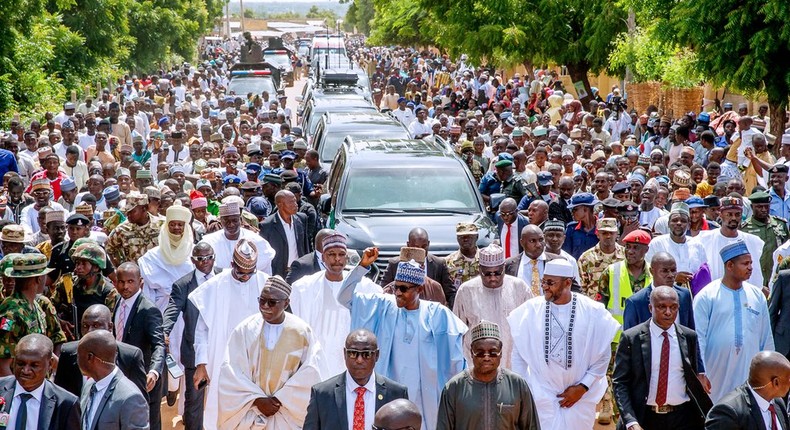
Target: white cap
x=558, y=267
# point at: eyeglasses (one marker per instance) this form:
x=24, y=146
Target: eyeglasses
x=366, y=354
x=269, y=302
x=375, y=427
x=490, y=274
x=405, y=288
x=200, y=258
x=492, y=354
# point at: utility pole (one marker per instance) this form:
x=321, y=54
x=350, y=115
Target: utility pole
x=241, y=11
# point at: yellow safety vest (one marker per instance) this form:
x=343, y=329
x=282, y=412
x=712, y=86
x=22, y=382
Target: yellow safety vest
x=620, y=290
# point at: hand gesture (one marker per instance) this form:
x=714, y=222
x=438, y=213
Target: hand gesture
x=369, y=257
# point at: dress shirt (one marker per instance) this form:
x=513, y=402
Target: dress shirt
x=370, y=400
x=676, y=384
x=129, y=303
x=525, y=268
x=33, y=406
x=763, y=405
x=780, y=207
x=271, y=333
x=290, y=235
x=514, y=237
x=101, y=387
x=203, y=277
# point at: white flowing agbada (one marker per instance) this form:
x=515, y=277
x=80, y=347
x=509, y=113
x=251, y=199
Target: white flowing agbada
x=314, y=299
x=689, y=256
x=474, y=303
x=713, y=241
x=223, y=303
x=585, y=362
x=268, y=361
x=223, y=249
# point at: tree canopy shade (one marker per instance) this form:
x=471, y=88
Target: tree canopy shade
x=741, y=44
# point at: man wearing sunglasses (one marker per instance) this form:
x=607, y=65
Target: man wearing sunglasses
x=413, y=334
x=487, y=396
x=223, y=302
x=269, y=366
x=349, y=400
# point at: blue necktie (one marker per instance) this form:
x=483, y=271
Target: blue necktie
x=21, y=415
x=738, y=321
x=86, y=425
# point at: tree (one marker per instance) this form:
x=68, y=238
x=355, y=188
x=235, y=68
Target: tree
x=402, y=22
x=740, y=44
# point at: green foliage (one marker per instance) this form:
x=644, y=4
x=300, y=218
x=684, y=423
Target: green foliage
x=316, y=13
x=402, y=22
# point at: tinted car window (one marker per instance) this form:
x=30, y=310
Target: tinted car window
x=332, y=141
x=257, y=85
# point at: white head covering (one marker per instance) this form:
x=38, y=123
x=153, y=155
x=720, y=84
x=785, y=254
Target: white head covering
x=176, y=250
x=558, y=267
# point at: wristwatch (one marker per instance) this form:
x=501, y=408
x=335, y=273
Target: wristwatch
x=586, y=388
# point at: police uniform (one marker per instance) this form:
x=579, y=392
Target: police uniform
x=594, y=262
x=773, y=233
x=129, y=241
x=512, y=187
x=577, y=240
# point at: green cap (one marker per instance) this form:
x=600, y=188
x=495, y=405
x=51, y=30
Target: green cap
x=27, y=265
x=760, y=197
x=93, y=253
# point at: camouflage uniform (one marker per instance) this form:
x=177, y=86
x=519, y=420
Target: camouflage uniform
x=20, y=318
x=461, y=269
x=81, y=297
x=593, y=263
x=129, y=241
x=477, y=170
x=773, y=233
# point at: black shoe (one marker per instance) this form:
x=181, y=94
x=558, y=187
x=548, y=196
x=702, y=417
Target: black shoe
x=172, y=396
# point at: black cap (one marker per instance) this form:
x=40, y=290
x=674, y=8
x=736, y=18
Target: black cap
x=288, y=175
x=779, y=168
x=78, y=219
x=611, y=202
x=711, y=201
x=628, y=206
x=621, y=187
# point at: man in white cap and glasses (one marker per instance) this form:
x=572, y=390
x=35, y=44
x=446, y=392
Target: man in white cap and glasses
x=224, y=241
x=314, y=299
x=420, y=342
x=492, y=296
x=474, y=398
x=565, y=362
x=269, y=367
x=223, y=302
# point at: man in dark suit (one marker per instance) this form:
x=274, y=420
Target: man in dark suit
x=655, y=378
x=435, y=267
x=508, y=220
x=285, y=232
x=664, y=269
x=129, y=358
x=203, y=259
x=309, y=263
x=110, y=401
x=332, y=402
x=45, y=408
x=558, y=208
x=779, y=311
x=139, y=322
x=758, y=404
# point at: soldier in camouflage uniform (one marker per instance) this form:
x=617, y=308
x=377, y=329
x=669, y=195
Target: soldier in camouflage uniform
x=772, y=230
x=135, y=236
x=594, y=261
x=462, y=265
x=79, y=231
x=85, y=287
x=25, y=311
x=467, y=154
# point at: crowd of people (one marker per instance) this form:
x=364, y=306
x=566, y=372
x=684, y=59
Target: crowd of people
x=163, y=245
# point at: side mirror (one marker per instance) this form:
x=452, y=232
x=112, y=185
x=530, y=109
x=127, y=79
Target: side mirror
x=325, y=203
x=299, y=98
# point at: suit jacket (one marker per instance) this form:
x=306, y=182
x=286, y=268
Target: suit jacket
x=632, y=372
x=435, y=268
x=273, y=231
x=143, y=329
x=179, y=303
x=129, y=360
x=521, y=222
x=512, y=264
x=59, y=410
x=558, y=208
x=738, y=410
x=779, y=311
x=121, y=407
x=327, y=407
x=303, y=266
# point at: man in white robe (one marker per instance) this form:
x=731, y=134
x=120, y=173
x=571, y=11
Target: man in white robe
x=223, y=302
x=166, y=263
x=224, y=241
x=732, y=322
x=314, y=299
x=491, y=296
x=420, y=342
x=689, y=254
x=714, y=240
x=562, y=347
x=270, y=365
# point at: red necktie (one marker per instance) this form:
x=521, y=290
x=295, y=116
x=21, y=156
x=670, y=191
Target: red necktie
x=663, y=372
x=773, y=417
x=507, y=242
x=359, y=409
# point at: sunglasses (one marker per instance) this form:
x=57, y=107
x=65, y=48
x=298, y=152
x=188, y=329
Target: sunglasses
x=269, y=302
x=490, y=274
x=492, y=354
x=404, y=288
x=200, y=258
x=365, y=354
